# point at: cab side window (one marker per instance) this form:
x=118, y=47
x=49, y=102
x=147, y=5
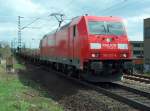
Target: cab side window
x=74, y=30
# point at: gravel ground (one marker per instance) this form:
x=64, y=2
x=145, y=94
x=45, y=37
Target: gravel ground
x=135, y=84
x=72, y=96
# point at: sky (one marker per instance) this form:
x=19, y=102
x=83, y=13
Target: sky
x=132, y=11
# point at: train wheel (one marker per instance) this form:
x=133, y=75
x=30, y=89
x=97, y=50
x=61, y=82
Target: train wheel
x=70, y=71
x=131, y=71
x=58, y=67
x=79, y=75
x=64, y=68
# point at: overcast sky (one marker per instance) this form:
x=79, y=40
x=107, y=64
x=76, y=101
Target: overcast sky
x=133, y=11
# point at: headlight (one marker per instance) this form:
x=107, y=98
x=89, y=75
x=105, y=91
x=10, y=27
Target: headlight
x=95, y=55
x=95, y=46
x=124, y=55
x=122, y=46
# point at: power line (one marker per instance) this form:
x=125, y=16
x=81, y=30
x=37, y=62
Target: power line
x=112, y=6
x=30, y=23
x=21, y=28
x=119, y=6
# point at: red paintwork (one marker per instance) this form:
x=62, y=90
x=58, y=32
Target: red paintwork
x=62, y=43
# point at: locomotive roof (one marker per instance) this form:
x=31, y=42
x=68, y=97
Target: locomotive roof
x=104, y=18
x=75, y=20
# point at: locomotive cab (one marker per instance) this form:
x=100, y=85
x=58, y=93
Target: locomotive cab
x=109, y=53
x=109, y=41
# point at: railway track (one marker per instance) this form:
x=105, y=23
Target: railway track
x=130, y=96
x=137, y=77
x=133, y=97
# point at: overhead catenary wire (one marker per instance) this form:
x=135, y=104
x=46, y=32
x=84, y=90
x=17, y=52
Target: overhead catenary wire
x=26, y=26
x=117, y=8
x=112, y=6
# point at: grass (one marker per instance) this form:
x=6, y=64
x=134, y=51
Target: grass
x=15, y=96
x=147, y=74
x=19, y=66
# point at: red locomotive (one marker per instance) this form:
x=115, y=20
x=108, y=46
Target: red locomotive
x=91, y=47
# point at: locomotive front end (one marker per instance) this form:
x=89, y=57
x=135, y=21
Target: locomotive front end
x=109, y=48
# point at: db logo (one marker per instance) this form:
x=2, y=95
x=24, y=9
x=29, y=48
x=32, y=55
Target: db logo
x=110, y=46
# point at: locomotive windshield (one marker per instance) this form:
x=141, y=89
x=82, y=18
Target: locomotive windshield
x=97, y=27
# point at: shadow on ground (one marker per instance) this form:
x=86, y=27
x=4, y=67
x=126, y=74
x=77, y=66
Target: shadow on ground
x=57, y=87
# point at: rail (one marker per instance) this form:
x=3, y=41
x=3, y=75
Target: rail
x=137, y=77
x=130, y=96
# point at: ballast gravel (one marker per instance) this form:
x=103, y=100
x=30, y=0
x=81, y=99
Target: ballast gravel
x=70, y=95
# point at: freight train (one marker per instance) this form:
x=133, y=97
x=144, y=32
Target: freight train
x=94, y=48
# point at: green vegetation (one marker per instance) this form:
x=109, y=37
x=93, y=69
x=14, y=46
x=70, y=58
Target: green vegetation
x=18, y=93
x=5, y=50
x=147, y=74
x=19, y=66
x=16, y=96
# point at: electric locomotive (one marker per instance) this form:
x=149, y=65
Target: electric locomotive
x=91, y=47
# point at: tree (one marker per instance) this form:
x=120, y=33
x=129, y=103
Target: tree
x=5, y=50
